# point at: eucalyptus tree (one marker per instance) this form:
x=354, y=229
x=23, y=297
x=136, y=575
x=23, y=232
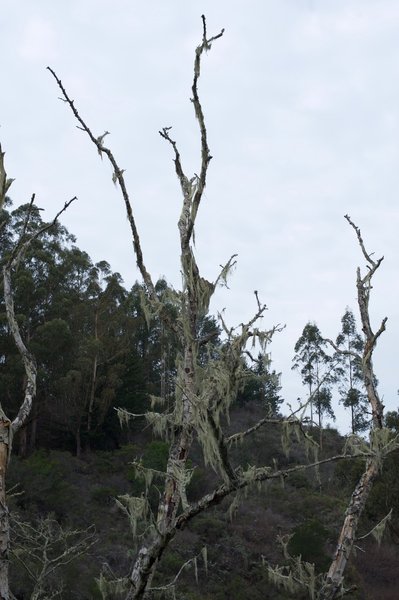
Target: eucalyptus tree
x=262, y=385
x=351, y=385
x=317, y=369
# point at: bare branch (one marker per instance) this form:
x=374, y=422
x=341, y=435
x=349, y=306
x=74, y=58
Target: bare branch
x=184, y=182
x=366, y=255
x=193, y=189
x=119, y=177
x=363, y=294
x=235, y=437
x=260, y=475
x=22, y=245
x=205, y=154
x=172, y=583
x=4, y=181
x=343, y=352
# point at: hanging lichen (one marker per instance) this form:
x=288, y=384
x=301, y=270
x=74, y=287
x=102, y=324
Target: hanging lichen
x=182, y=476
x=297, y=577
x=135, y=508
x=146, y=473
x=382, y=443
x=226, y=271
x=356, y=446
x=378, y=531
x=233, y=507
x=112, y=589
x=159, y=422
x=124, y=417
x=156, y=400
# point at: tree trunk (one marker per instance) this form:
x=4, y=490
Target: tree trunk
x=4, y=521
x=348, y=532
x=361, y=492
x=149, y=555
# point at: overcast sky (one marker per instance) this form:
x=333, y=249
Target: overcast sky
x=301, y=99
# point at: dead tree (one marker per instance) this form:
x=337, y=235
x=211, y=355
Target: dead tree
x=380, y=443
x=203, y=392
x=46, y=547
x=9, y=427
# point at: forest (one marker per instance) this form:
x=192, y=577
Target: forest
x=145, y=451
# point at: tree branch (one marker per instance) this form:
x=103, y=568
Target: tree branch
x=343, y=352
x=118, y=177
x=260, y=475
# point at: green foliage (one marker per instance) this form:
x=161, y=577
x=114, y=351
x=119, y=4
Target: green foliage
x=351, y=385
x=156, y=455
x=234, y=548
x=308, y=541
x=210, y=526
x=171, y=562
x=42, y=478
x=317, y=370
x=300, y=481
x=261, y=385
x=392, y=420
x=104, y=494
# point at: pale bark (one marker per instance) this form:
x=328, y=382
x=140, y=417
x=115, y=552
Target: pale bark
x=347, y=537
x=7, y=430
x=7, y=427
x=334, y=584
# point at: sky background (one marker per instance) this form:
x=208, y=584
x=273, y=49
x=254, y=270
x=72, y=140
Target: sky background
x=301, y=99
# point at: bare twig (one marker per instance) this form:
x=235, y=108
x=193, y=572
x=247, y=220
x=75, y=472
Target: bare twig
x=117, y=177
x=343, y=352
x=5, y=182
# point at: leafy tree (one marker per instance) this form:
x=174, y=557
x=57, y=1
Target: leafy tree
x=350, y=372
x=316, y=368
x=74, y=315
x=309, y=541
x=261, y=385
